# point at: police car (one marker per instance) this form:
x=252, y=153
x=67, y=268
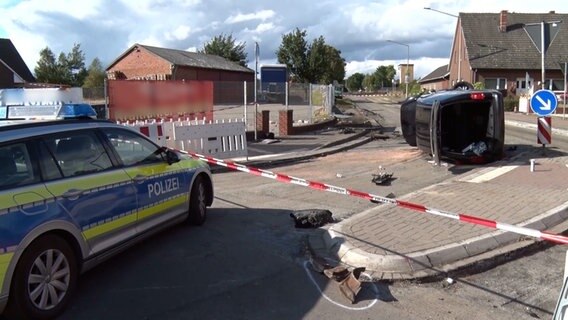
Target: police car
x=74, y=192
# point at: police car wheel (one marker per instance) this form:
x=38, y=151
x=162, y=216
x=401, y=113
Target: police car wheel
x=198, y=202
x=44, y=280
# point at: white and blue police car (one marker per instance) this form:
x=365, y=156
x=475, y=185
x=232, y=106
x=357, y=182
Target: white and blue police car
x=76, y=190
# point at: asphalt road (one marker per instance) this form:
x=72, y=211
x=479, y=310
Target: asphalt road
x=248, y=260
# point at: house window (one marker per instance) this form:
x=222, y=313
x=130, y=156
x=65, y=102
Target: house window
x=555, y=84
x=496, y=83
x=524, y=87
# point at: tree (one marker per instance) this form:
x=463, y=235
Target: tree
x=95, y=75
x=68, y=69
x=335, y=69
x=293, y=53
x=355, y=82
x=369, y=82
x=384, y=76
x=46, y=68
x=226, y=47
x=316, y=55
x=317, y=62
x=75, y=65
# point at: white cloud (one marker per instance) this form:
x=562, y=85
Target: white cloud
x=359, y=28
x=422, y=66
x=180, y=33
x=260, y=15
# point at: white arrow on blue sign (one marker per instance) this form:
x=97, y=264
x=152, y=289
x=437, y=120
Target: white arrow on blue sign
x=544, y=102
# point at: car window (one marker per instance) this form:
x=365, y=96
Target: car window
x=49, y=168
x=16, y=166
x=78, y=153
x=132, y=148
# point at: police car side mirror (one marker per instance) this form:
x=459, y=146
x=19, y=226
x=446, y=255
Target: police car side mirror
x=171, y=156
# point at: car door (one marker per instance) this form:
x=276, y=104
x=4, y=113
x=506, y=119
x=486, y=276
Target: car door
x=98, y=196
x=162, y=189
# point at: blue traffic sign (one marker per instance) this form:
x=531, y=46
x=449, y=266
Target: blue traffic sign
x=544, y=102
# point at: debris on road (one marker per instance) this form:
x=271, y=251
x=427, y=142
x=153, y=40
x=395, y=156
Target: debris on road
x=269, y=141
x=311, y=218
x=382, y=177
x=348, y=279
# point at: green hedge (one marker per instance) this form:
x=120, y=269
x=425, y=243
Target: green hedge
x=511, y=103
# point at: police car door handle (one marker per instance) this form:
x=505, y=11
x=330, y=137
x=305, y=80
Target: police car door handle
x=72, y=193
x=140, y=178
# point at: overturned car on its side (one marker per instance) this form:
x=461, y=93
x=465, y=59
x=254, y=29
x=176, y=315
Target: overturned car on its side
x=460, y=126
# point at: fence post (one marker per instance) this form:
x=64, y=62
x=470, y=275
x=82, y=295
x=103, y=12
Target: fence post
x=286, y=95
x=245, y=101
x=106, y=99
x=310, y=102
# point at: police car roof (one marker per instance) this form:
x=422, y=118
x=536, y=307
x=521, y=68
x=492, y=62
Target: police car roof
x=18, y=129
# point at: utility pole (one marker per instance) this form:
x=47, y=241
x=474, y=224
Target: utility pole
x=459, y=40
x=256, y=53
x=406, y=76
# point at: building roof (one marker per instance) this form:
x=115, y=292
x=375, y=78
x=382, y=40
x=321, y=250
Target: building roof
x=439, y=73
x=190, y=59
x=488, y=48
x=10, y=57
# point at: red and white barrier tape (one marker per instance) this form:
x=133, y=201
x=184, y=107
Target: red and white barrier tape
x=379, y=199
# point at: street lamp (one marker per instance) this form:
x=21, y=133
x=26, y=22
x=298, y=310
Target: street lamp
x=543, y=43
x=407, y=62
x=459, y=40
x=256, y=53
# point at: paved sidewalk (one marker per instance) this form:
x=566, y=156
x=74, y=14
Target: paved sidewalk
x=559, y=122
x=397, y=243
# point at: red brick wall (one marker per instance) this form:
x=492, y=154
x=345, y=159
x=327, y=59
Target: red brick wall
x=141, y=63
x=189, y=73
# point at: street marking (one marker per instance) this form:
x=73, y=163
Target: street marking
x=375, y=289
x=492, y=174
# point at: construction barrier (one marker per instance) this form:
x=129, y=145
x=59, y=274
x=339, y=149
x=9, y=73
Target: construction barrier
x=221, y=139
x=379, y=199
x=544, y=135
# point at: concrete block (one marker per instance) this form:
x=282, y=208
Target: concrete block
x=480, y=245
x=447, y=255
x=537, y=225
x=507, y=237
x=419, y=263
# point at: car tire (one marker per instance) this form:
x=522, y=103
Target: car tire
x=44, y=280
x=198, y=202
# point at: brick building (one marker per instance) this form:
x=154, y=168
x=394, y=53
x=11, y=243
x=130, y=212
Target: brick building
x=14, y=72
x=496, y=50
x=436, y=80
x=141, y=62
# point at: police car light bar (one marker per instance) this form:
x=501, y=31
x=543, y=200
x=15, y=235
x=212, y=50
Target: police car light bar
x=48, y=112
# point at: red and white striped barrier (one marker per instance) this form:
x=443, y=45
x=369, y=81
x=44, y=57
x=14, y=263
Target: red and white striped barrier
x=379, y=199
x=544, y=135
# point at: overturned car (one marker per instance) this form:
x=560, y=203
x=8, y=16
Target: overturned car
x=461, y=126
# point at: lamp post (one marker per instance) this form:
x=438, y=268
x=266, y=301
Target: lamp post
x=256, y=53
x=459, y=40
x=545, y=40
x=407, y=62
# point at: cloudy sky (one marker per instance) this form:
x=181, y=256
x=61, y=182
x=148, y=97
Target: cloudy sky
x=360, y=29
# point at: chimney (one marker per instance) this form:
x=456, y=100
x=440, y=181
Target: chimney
x=503, y=21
